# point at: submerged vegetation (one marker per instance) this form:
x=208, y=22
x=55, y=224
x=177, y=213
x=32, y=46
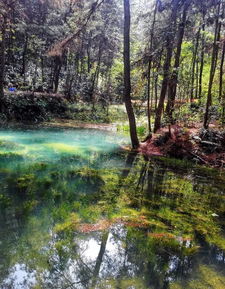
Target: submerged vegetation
x=71, y=216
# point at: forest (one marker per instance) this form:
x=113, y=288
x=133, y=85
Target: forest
x=112, y=144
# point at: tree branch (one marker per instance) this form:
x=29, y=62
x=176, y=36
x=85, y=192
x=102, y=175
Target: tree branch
x=59, y=48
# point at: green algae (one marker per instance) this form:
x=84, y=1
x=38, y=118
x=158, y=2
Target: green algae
x=63, y=148
x=163, y=219
x=10, y=156
x=123, y=284
x=69, y=225
x=208, y=278
x=25, y=181
x=5, y=201
x=9, y=145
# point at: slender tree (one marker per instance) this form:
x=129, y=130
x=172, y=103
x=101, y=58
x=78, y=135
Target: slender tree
x=127, y=81
x=170, y=33
x=3, y=26
x=150, y=67
x=172, y=89
x=213, y=64
x=221, y=71
x=194, y=64
x=202, y=57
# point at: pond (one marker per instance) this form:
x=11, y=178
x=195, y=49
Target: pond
x=76, y=211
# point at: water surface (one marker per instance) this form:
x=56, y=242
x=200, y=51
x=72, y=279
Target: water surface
x=77, y=212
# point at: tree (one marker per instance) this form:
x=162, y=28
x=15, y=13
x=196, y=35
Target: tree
x=202, y=57
x=213, y=64
x=170, y=33
x=127, y=81
x=150, y=66
x=172, y=89
x=4, y=10
x=194, y=64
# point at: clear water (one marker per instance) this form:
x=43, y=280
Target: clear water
x=77, y=212
x=51, y=144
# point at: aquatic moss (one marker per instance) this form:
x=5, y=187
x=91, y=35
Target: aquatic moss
x=45, y=182
x=207, y=277
x=28, y=206
x=91, y=213
x=5, y=201
x=10, y=145
x=88, y=174
x=124, y=283
x=64, y=148
x=10, y=156
x=56, y=175
x=39, y=166
x=25, y=181
x=4, y=172
x=69, y=225
x=217, y=240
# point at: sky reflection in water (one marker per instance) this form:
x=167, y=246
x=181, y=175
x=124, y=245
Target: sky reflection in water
x=77, y=212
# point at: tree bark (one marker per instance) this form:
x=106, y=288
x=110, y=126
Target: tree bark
x=202, y=57
x=193, y=75
x=213, y=67
x=172, y=88
x=150, y=68
x=96, y=74
x=23, y=71
x=2, y=63
x=89, y=52
x=58, y=66
x=127, y=81
x=221, y=71
x=156, y=76
x=167, y=65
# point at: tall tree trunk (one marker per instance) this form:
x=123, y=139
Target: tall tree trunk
x=202, y=57
x=42, y=71
x=167, y=65
x=197, y=80
x=221, y=89
x=127, y=81
x=193, y=74
x=2, y=64
x=213, y=67
x=23, y=71
x=158, y=67
x=150, y=68
x=89, y=53
x=164, y=85
x=172, y=88
x=96, y=74
x=58, y=66
x=221, y=71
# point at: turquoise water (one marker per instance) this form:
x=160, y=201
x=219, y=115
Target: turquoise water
x=78, y=212
x=52, y=144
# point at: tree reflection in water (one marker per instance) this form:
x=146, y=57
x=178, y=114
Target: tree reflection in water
x=163, y=228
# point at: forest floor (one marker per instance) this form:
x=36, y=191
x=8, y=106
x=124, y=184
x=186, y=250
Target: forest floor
x=202, y=146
